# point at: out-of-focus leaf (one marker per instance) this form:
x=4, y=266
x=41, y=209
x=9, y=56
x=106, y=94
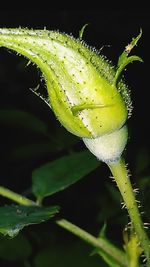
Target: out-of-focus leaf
x=114, y=192
x=61, y=173
x=144, y=183
x=25, y=120
x=63, y=139
x=142, y=160
x=17, y=248
x=15, y=218
x=41, y=149
x=73, y=255
x=32, y=151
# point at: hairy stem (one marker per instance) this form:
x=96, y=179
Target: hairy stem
x=100, y=243
x=16, y=197
x=120, y=174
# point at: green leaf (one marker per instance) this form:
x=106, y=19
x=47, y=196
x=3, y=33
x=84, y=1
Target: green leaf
x=77, y=108
x=81, y=32
x=68, y=255
x=58, y=140
x=61, y=173
x=142, y=160
x=123, y=63
x=15, y=218
x=133, y=42
x=124, y=60
x=32, y=151
x=19, y=248
x=63, y=139
x=128, y=49
x=25, y=120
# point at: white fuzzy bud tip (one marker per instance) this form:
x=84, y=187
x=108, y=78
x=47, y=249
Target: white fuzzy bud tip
x=109, y=147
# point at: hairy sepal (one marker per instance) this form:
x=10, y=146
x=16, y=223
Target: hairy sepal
x=75, y=76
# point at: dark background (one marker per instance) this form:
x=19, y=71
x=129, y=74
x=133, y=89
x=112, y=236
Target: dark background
x=112, y=29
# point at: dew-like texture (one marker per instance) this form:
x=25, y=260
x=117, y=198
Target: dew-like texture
x=75, y=75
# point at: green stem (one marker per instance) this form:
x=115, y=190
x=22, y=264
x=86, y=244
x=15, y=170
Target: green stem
x=121, y=176
x=16, y=197
x=100, y=243
x=39, y=201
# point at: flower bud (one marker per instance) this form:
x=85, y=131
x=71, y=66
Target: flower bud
x=79, y=80
x=84, y=90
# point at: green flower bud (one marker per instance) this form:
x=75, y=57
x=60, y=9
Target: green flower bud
x=85, y=91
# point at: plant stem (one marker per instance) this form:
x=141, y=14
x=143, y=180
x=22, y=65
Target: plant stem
x=121, y=177
x=16, y=197
x=100, y=243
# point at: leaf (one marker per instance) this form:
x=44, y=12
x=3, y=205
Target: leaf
x=72, y=254
x=23, y=119
x=32, y=151
x=15, y=218
x=61, y=173
x=123, y=57
x=142, y=160
x=124, y=60
x=58, y=141
x=123, y=63
x=81, y=32
x=19, y=248
x=133, y=42
x=63, y=139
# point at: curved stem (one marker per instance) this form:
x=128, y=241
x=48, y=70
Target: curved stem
x=16, y=197
x=121, y=177
x=99, y=243
x=102, y=244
